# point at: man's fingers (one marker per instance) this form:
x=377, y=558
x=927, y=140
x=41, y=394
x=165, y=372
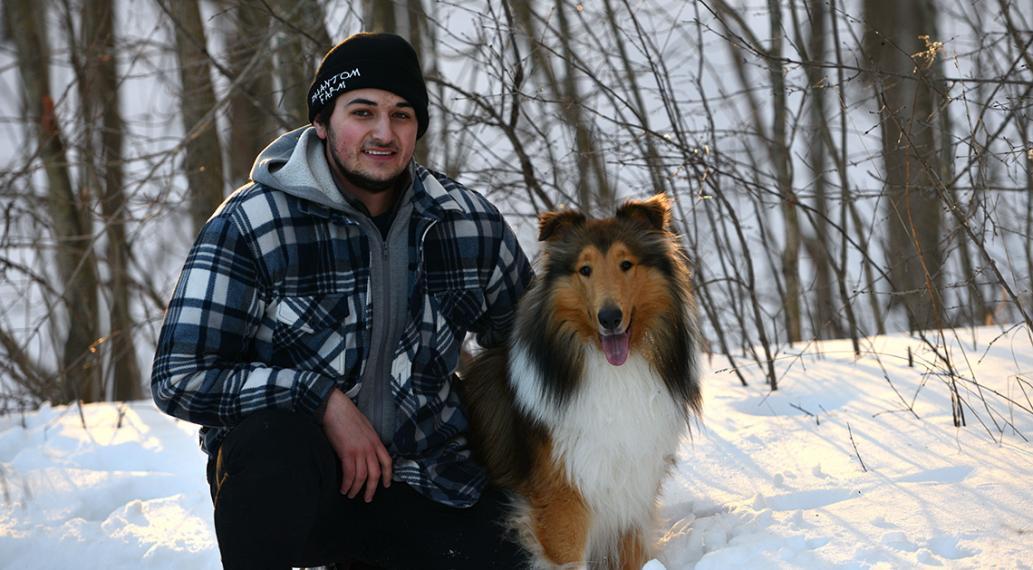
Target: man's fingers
x=360, y=477
x=365, y=461
x=372, y=477
x=347, y=474
x=385, y=465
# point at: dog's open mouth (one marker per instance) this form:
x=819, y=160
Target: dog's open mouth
x=615, y=346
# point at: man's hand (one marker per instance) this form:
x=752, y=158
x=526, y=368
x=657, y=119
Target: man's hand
x=364, y=459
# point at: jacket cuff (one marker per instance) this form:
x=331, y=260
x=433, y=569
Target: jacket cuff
x=313, y=399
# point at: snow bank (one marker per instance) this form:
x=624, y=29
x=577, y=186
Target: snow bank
x=768, y=480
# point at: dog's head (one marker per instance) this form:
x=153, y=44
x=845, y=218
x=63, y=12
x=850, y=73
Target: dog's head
x=611, y=279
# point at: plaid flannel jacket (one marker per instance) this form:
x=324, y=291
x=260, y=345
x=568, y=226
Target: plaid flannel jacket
x=271, y=311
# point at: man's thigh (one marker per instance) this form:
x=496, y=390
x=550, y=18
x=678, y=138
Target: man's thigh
x=402, y=529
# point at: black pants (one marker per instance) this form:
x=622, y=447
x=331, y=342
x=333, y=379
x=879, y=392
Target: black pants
x=277, y=504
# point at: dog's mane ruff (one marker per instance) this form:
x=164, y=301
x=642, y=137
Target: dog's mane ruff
x=674, y=353
x=499, y=435
x=547, y=356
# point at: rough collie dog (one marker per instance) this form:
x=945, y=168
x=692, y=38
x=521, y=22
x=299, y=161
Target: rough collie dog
x=581, y=412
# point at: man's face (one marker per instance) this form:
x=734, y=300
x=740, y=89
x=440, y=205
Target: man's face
x=370, y=138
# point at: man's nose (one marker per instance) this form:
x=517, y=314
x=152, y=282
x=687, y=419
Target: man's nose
x=382, y=133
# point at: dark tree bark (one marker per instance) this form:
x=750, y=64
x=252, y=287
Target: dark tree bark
x=379, y=16
x=203, y=164
x=826, y=319
x=251, y=103
x=783, y=170
x=99, y=91
x=910, y=123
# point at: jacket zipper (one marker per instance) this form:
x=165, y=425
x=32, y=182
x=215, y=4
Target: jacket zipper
x=379, y=299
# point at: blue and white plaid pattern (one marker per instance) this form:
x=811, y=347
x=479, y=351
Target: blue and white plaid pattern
x=271, y=311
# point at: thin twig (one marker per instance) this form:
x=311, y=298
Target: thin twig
x=854, y=443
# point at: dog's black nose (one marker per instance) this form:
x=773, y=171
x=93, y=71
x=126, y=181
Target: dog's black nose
x=610, y=317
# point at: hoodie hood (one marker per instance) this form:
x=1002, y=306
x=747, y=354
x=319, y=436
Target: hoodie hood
x=294, y=163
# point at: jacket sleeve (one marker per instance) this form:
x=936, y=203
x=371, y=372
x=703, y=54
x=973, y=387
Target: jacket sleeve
x=200, y=373
x=510, y=277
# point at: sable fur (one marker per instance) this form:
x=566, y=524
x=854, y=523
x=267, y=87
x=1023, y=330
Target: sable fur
x=517, y=394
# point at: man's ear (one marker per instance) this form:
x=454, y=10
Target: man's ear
x=554, y=225
x=320, y=129
x=653, y=213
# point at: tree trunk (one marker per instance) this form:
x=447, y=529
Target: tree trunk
x=827, y=323
x=379, y=16
x=301, y=45
x=417, y=21
x=909, y=121
x=780, y=157
x=76, y=266
x=203, y=164
x=251, y=103
x=99, y=90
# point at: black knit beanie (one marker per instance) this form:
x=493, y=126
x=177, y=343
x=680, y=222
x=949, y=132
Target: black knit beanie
x=381, y=61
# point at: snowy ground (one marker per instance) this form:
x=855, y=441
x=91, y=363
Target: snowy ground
x=769, y=480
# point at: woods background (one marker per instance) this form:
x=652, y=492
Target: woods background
x=840, y=168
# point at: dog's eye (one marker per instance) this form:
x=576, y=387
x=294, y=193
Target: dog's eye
x=625, y=265
x=585, y=270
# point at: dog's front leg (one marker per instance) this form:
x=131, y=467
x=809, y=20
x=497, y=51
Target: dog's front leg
x=560, y=518
x=633, y=551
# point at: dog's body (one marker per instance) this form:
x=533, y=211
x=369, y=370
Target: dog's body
x=581, y=413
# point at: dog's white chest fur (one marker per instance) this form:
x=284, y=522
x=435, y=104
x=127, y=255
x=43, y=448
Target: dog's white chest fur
x=616, y=436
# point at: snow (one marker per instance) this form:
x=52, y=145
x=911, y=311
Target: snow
x=767, y=479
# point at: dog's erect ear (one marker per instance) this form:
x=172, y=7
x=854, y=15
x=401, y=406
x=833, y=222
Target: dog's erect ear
x=653, y=213
x=554, y=225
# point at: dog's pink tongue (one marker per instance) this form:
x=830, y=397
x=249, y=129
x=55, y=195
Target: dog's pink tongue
x=615, y=347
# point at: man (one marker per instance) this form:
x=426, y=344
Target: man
x=315, y=328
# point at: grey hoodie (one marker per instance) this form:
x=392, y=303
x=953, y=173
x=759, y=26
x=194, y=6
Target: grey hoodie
x=295, y=163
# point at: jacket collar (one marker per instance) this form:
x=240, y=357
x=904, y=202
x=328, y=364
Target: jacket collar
x=431, y=199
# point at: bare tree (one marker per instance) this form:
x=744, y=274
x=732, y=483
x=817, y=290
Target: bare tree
x=909, y=98
x=250, y=104
x=203, y=163
x=299, y=45
x=76, y=265
x=379, y=16
x=783, y=169
x=826, y=323
x=102, y=158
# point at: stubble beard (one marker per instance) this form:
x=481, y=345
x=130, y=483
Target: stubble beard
x=356, y=178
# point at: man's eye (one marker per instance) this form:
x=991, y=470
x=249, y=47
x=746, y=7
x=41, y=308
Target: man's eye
x=361, y=113
x=585, y=270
